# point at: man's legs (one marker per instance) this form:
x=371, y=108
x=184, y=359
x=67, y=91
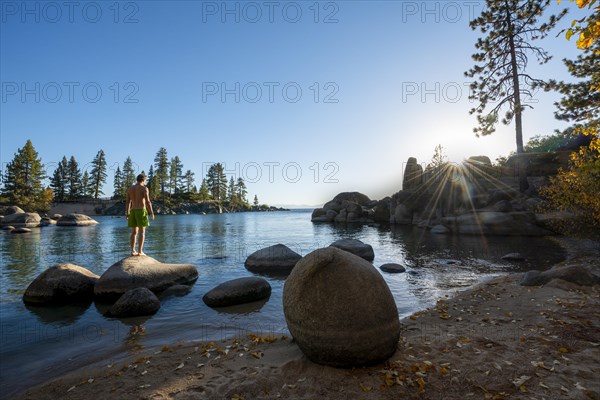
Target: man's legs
x=141, y=241
x=134, y=232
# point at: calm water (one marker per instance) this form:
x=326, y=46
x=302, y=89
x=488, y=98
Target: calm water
x=40, y=343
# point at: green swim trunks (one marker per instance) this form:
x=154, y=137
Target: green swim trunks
x=138, y=218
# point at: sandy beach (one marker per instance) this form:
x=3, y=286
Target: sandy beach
x=497, y=340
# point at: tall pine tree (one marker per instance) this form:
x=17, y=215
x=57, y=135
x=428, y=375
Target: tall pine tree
x=128, y=175
x=161, y=170
x=118, y=185
x=203, y=193
x=73, y=179
x=59, y=181
x=98, y=174
x=510, y=28
x=217, y=182
x=23, y=180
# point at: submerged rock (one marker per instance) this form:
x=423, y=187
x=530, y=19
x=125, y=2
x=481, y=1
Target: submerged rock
x=65, y=283
x=273, y=259
x=75, y=220
x=20, y=230
x=238, y=291
x=339, y=310
x=355, y=247
x=135, y=303
x=441, y=229
x=143, y=271
x=392, y=268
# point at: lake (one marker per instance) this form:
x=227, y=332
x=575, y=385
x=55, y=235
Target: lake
x=39, y=343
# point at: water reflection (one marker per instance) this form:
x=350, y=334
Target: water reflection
x=218, y=245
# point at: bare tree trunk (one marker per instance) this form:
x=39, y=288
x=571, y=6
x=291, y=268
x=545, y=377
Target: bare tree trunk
x=521, y=161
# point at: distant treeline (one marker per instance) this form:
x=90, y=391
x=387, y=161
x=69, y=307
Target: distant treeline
x=25, y=174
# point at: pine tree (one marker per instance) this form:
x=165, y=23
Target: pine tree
x=511, y=27
x=231, y=192
x=175, y=176
x=86, y=188
x=161, y=169
x=189, y=181
x=128, y=175
x=98, y=175
x=23, y=180
x=241, y=190
x=59, y=180
x=217, y=182
x=118, y=185
x=152, y=183
x=203, y=193
x=73, y=179
x=255, y=200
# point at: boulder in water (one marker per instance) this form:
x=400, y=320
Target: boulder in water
x=135, y=303
x=238, y=291
x=22, y=220
x=74, y=219
x=273, y=259
x=356, y=247
x=65, y=283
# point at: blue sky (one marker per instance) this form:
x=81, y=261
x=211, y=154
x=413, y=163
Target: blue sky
x=303, y=99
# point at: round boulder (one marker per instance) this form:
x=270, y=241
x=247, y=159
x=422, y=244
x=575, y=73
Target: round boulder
x=20, y=230
x=143, y=271
x=22, y=220
x=176, y=290
x=392, y=268
x=61, y=284
x=356, y=247
x=274, y=259
x=339, y=310
x=75, y=220
x=8, y=228
x=135, y=303
x=56, y=216
x=238, y=291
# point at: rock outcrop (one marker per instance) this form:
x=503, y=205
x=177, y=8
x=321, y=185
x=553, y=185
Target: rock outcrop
x=135, y=303
x=143, y=271
x=22, y=220
x=339, y=310
x=65, y=283
x=276, y=259
x=75, y=220
x=9, y=210
x=238, y=291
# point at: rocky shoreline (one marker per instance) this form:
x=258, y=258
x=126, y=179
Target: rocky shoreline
x=474, y=198
x=496, y=340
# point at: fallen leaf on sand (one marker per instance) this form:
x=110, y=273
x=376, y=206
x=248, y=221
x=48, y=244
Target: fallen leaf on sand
x=521, y=380
x=365, y=388
x=179, y=366
x=71, y=388
x=257, y=354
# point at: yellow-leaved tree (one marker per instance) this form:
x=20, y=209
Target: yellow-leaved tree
x=576, y=189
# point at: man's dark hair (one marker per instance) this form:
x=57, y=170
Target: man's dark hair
x=141, y=178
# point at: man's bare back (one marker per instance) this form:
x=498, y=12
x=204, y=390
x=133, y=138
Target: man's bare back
x=137, y=195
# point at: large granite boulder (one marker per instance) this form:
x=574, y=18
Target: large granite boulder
x=355, y=246
x=9, y=210
x=496, y=223
x=75, y=220
x=339, y=310
x=382, y=210
x=238, y=291
x=584, y=272
x=413, y=175
x=402, y=215
x=143, y=271
x=135, y=303
x=65, y=283
x=22, y=220
x=353, y=197
x=273, y=259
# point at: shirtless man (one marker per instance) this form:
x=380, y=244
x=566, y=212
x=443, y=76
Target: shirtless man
x=136, y=201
